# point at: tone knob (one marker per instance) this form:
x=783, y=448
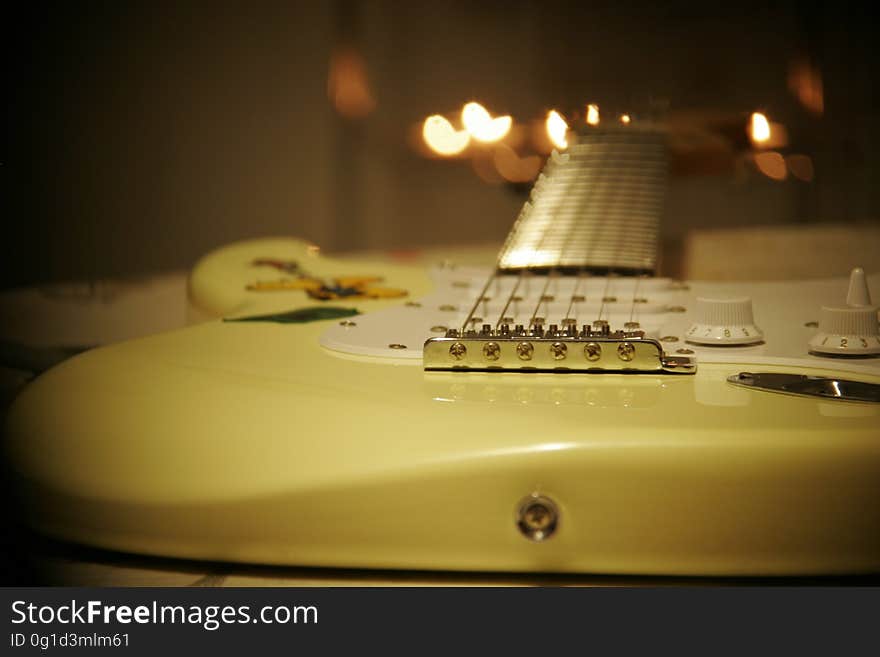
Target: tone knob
x=724, y=322
x=847, y=332
x=850, y=330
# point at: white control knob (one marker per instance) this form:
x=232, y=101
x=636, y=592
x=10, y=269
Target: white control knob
x=724, y=322
x=851, y=330
x=858, y=295
x=847, y=331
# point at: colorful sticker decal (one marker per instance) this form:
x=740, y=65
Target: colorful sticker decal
x=344, y=287
x=287, y=266
x=301, y=316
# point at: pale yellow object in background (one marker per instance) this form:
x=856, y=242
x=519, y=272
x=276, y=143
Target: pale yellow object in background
x=781, y=252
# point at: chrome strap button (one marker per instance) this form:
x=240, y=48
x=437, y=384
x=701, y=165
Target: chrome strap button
x=537, y=517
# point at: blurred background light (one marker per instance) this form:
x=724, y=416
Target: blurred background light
x=480, y=124
x=771, y=164
x=759, y=128
x=347, y=84
x=513, y=168
x=801, y=167
x=442, y=138
x=557, y=129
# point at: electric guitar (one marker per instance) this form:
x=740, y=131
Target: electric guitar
x=562, y=410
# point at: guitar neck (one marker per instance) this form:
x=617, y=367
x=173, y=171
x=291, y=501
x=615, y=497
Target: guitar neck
x=595, y=208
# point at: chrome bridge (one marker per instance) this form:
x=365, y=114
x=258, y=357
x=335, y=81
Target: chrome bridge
x=589, y=349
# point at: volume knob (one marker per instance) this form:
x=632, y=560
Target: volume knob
x=849, y=331
x=724, y=322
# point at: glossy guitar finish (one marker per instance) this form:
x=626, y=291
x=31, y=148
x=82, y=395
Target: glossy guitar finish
x=251, y=442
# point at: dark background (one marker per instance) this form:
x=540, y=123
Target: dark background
x=144, y=134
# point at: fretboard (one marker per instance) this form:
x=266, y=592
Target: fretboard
x=595, y=208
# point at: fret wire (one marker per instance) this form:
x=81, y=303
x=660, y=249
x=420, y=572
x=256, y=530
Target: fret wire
x=605, y=199
x=605, y=195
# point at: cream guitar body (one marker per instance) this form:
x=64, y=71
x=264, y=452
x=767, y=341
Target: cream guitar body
x=319, y=443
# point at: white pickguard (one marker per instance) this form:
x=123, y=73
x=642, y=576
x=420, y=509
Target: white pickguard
x=782, y=310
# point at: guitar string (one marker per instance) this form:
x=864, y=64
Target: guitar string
x=579, y=210
x=611, y=275
x=632, y=309
x=585, y=202
x=581, y=277
x=581, y=272
x=478, y=300
x=601, y=177
x=495, y=273
x=637, y=284
x=541, y=298
x=553, y=273
x=510, y=298
x=522, y=274
x=511, y=238
x=600, y=170
x=605, y=295
x=555, y=202
x=619, y=248
x=587, y=199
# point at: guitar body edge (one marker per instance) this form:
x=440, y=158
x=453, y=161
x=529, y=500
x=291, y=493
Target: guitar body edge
x=249, y=442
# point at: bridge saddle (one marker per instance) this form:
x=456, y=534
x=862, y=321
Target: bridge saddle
x=591, y=349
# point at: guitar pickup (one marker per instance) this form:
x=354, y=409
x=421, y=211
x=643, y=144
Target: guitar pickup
x=568, y=349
